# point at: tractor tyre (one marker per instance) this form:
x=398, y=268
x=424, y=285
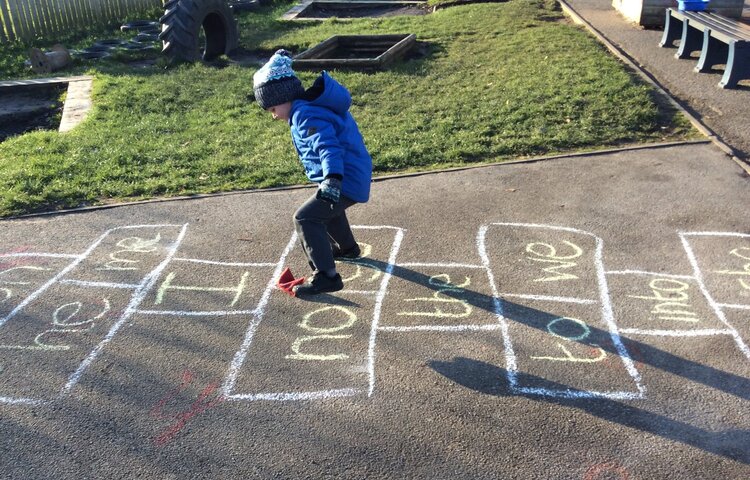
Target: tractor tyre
x=181, y=26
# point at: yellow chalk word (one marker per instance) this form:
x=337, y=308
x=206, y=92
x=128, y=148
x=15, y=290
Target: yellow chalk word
x=63, y=317
x=672, y=298
x=167, y=285
x=129, y=246
x=439, y=298
x=547, y=253
x=743, y=253
x=8, y=293
x=323, y=333
x=569, y=357
x=366, y=250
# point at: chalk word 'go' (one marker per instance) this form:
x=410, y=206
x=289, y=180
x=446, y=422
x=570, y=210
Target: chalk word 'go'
x=569, y=357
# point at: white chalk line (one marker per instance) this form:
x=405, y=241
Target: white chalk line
x=546, y=227
x=40, y=255
x=83, y=283
x=510, y=357
x=655, y=274
x=702, y=286
x=295, y=396
x=395, y=247
x=239, y=357
x=21, y=401
x=582, y=301
x=733, y=306
x=609, y=318
x=545, y=392
x=439, y=265
x=71, y=266
x=208, y=313
x=140, y=294
x=224, y=264
x=714, y=234
x=676, y=333
x=359, y=292
x=441, y=328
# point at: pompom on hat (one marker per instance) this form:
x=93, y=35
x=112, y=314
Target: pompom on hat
x=275, y=83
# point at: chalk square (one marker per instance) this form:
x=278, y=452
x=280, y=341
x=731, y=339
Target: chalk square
x=724, y=265
x=650, y=302
x=308, y=346
x=561, y=347
x=126, y=255
x=42, y=345
x=739, y=319
x=21, y=276
x=438, y=295
x=542, y=261
x=186, y=286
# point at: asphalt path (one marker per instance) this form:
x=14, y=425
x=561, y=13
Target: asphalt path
x=575, y=318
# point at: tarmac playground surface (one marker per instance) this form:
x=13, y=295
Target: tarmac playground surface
x=584, y=317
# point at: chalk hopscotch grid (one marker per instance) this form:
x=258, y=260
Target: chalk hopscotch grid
x=239, y=358
x=606, y=311
x=77, y=260
x=702, y=285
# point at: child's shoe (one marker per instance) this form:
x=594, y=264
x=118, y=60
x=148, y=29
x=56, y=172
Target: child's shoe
x=348, y=254
x=319, y=283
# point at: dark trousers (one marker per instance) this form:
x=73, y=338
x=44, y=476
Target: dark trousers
x=321, y=225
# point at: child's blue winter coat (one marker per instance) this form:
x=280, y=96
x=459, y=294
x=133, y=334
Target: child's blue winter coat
x=328, y=141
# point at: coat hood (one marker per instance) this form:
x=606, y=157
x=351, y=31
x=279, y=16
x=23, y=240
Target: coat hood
x=334, y=96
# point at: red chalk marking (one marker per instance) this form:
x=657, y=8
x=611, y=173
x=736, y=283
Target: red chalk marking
x=606, y=471
x=205, y=400
x=15, y=262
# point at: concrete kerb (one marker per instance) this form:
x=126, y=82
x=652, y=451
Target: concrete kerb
x=383, y=178
x=650, y=79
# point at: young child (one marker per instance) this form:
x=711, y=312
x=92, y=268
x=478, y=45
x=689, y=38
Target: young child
x=333, y=154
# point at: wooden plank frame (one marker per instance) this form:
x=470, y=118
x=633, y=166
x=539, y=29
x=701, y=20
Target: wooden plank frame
x=319, y=57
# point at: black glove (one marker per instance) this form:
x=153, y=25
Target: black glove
x=329, y=190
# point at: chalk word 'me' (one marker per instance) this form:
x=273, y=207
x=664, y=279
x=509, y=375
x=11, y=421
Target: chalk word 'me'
x=130, y=245
x=546, y=253
x=569, y=357
x=673, y=299
x=322, y=334
x=439, y=298
x=743, y=253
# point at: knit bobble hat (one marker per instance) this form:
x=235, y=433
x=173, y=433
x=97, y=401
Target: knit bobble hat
x=275, y=83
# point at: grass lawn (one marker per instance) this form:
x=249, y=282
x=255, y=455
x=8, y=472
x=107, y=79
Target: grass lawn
x=499, y=81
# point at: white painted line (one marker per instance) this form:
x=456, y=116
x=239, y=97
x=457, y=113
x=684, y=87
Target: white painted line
x=676, y=333
x=656, y=274
x=544, y=392
x=379, y=304
x=224, y=264
x=42, y=255
x=439, y=265
x=360, y=292
x=286, y=397
x=82, y=283
x=441, y=328
x=701, y=284
x=729, y=305
x=582, y=301
x=211, y=313
x=21, y=401
x=239, y=356
x=511, y=367
x=138, y=297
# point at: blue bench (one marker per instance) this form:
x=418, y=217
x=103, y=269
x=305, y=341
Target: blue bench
x=719, y=39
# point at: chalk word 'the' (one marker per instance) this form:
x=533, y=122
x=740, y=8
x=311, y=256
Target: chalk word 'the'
x=441, y=299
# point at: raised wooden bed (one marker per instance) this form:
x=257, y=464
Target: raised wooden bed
x=356, y=51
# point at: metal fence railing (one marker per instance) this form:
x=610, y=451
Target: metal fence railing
x=29, y=19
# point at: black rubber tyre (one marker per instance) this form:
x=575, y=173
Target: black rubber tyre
x=181, y=25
